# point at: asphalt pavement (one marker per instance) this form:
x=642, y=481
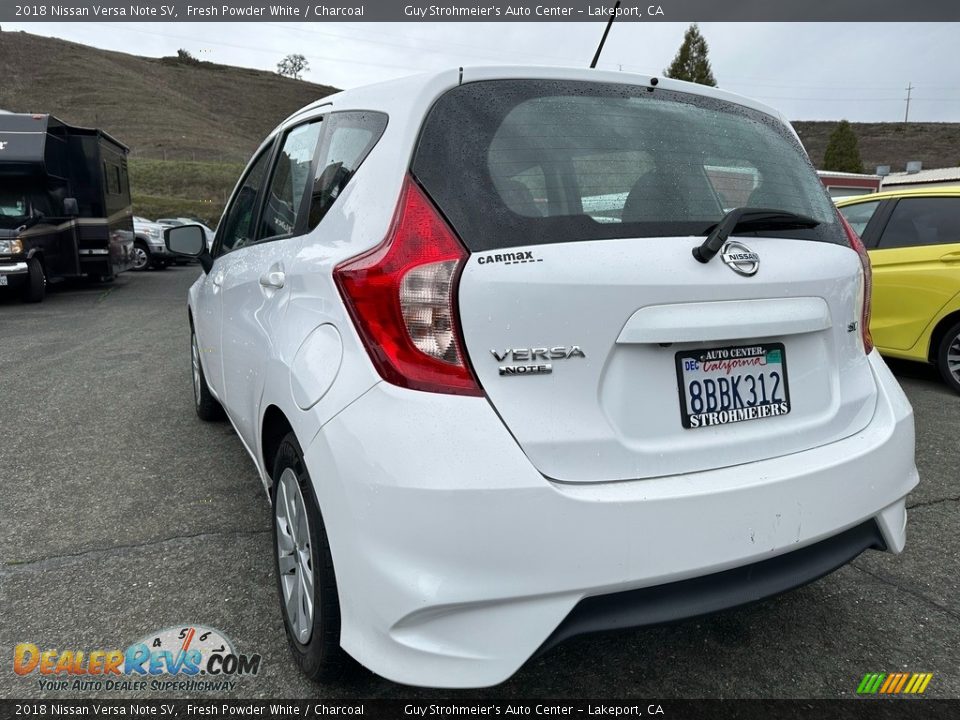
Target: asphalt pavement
x=123, y=514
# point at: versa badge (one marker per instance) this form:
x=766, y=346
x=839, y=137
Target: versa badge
x=530, y=356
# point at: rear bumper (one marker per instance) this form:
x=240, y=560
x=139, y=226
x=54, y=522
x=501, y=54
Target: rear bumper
x=456, y=560
x=718, y=591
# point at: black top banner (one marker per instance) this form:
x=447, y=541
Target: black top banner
x=481, y=11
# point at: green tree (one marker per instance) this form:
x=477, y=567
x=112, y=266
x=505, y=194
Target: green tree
x=843, y=151
x=691, y=62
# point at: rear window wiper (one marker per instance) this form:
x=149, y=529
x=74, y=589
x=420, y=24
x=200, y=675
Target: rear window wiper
x=748, y=219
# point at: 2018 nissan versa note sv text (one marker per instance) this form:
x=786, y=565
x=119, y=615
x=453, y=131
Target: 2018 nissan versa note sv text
x=524, y=353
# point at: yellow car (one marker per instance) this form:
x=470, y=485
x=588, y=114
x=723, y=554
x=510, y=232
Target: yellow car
x=913, y=239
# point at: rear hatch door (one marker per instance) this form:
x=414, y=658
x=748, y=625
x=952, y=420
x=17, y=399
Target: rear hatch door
x=607, y=349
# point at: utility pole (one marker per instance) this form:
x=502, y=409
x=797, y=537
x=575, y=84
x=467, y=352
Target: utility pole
x=906, y=115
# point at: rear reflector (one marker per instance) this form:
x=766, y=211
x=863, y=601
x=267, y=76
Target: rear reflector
x=402, y=297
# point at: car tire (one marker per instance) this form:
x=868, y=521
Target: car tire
x=142, y=259
x=310, y=607
x=207, y=407
x=36, y=287
x=948, y=357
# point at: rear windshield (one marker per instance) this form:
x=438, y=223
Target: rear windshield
x=525, y=162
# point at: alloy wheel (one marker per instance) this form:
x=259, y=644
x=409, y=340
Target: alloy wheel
x=140, y=258
x=953, y=357
x=294, y=555
x=195, y=362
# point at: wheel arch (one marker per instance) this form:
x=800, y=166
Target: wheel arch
x=37, y=254
x=945, y=323
x=273, y=429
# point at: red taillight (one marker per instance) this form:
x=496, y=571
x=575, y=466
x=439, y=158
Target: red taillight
x=402, y=297
x=857, y=245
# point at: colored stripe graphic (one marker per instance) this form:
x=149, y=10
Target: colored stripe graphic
x=871, y=683
x=894, y=683
x=919, y=681
x=890, y=683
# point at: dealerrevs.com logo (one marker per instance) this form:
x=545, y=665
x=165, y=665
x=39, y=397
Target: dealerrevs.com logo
x=185, y=658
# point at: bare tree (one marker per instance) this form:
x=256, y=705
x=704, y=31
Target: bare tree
x=293, y=66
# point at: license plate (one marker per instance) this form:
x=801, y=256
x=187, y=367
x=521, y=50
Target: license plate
x=3, y=280
x=719, y=386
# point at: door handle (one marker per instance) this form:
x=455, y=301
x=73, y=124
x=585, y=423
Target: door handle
x=953, y=257
x=272, y=279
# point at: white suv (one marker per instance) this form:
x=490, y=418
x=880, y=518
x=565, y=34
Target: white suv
x=471, y=330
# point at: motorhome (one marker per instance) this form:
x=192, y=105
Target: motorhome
x=64, y=204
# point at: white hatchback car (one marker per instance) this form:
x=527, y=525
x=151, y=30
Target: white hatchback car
x=471, y=329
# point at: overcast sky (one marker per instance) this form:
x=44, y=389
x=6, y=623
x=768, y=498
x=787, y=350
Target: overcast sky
x=811, y=71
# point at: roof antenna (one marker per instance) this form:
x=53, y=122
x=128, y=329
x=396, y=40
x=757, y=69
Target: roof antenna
x=613, y=14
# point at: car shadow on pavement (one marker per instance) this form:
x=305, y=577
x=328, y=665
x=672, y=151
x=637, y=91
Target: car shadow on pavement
x=914, y=370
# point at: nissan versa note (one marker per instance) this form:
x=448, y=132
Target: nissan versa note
x=524, y=353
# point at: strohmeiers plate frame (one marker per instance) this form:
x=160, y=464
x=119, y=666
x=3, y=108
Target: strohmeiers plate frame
x=697, y=353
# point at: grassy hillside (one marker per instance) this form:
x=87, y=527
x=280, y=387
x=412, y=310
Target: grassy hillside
x=191, y=126
x=174, y=188
x=894, y=144
x=161, y=107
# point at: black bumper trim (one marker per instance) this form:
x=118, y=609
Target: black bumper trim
x=708, y=594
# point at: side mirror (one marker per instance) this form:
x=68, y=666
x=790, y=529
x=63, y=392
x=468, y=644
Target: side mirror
x=187, y=240
x=70, y=207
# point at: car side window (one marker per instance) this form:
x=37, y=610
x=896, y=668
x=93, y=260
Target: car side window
x=859, y=215
x=238, y=223
x=291, y=173
x=347, y=140
x=916, y=222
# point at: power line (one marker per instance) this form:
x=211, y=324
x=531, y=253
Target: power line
x=786, y=84
x=423, y=46
x=274, y=53
x=448, y=43
x=889, y=99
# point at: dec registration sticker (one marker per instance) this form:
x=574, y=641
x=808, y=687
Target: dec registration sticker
x=719, y=386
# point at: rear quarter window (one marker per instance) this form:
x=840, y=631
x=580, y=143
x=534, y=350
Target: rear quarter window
x=521, y=162
x=859, y=214
x=348, y=139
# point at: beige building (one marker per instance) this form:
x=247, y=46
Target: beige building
x=936, y=177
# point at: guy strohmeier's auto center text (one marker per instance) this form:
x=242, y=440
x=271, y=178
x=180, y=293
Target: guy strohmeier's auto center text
x=313, y=10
